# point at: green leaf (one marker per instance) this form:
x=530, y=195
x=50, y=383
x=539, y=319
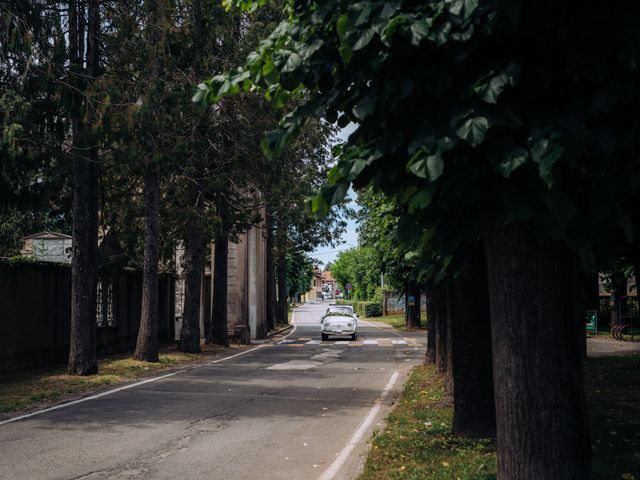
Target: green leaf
x=343, y=24
x=462, y=8
x=334, y=175
x=426, y=166
x=545, y=152
x=201, y=94
x=365, y=107
x=491, y=86
x=420, y=200
x=516, y=157
x=419, y=30
x=270, y=72
x=471, y=129
x=364, y=39
x=293, y=62
x=318, y=206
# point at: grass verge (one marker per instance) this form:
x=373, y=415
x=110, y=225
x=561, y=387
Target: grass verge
x=28, y=389
x=606, y=335
x=396, y=321
x=417, y=443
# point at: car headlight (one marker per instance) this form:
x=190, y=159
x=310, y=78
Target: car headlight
x=349, y=324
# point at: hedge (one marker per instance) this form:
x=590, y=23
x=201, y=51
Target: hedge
x=364, y=309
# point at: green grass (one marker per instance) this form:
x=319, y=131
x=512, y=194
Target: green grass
x=417, y=443
x=28, y=389
x=396, y=321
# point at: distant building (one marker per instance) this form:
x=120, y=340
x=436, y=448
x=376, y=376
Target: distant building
x=48, y=247
x=329, y=284
x=315, y=289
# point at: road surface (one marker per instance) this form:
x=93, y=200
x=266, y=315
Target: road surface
x=294, y=408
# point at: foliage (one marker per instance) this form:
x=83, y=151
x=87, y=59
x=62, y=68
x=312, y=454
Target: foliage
x=529, y=114
x=359, y=267
x=371, y=309
x=363, y=308
x=300, y=273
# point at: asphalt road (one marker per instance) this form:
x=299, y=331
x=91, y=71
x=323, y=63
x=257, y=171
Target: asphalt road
x=294, y=408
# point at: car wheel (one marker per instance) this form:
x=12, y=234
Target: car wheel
x=325, y=337
x=354, y=336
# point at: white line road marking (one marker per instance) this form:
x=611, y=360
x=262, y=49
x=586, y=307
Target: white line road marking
x=371, y=342
x=380, y=328
x=334, y=468
x=285, y=342
x=342, y=342
x=313, y=342
x=399, y=342
x=116, y=390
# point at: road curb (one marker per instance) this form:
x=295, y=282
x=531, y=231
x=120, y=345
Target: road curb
x=276, y=332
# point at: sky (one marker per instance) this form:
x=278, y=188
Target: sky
x=350, y=237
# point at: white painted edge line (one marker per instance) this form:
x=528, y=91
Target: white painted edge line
x=337, y=464
x=313, y=342
x=371, y=342
x=132, y=385
x=393, y=330
x=86, y=399
x=127, y=387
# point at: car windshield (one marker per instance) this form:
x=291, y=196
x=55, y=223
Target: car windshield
x=339, y=310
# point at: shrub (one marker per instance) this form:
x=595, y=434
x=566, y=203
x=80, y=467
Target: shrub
x=372, y=309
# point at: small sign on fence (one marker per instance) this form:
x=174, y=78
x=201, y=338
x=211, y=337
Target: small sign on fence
x=592, y=321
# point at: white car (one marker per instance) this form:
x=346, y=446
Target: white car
x=339, y=320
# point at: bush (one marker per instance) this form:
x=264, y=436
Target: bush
x=372, y=309
x=364, y=309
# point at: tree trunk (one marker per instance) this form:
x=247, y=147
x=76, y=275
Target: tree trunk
x=542, y=427
x=194, y=268
x=441, y=328
x=271, y=275
x=220, y=270
x=82, y=344
x=281, y=266
x=412, y=313
x=430, y=355
x=147, y=345
x=474, y=413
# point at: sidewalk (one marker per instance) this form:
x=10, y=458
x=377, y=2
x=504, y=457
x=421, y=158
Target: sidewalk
x=600, y=347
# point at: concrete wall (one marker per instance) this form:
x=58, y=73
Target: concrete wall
x=246, y=282
x=35, y=312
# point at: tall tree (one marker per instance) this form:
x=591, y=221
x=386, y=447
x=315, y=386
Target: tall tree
x=516, y=135
x=82, y=351
x=147, y=344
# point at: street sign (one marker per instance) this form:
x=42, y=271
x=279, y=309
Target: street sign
x=411, y=301
x=349, y=287
x=591, y=317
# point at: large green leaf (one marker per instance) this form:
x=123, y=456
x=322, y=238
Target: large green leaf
x=515, y=158
x=462, y=8
x=426, y=166
x=293, y=62
x=470, y=128
x=545, y=152
x=491, y=86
